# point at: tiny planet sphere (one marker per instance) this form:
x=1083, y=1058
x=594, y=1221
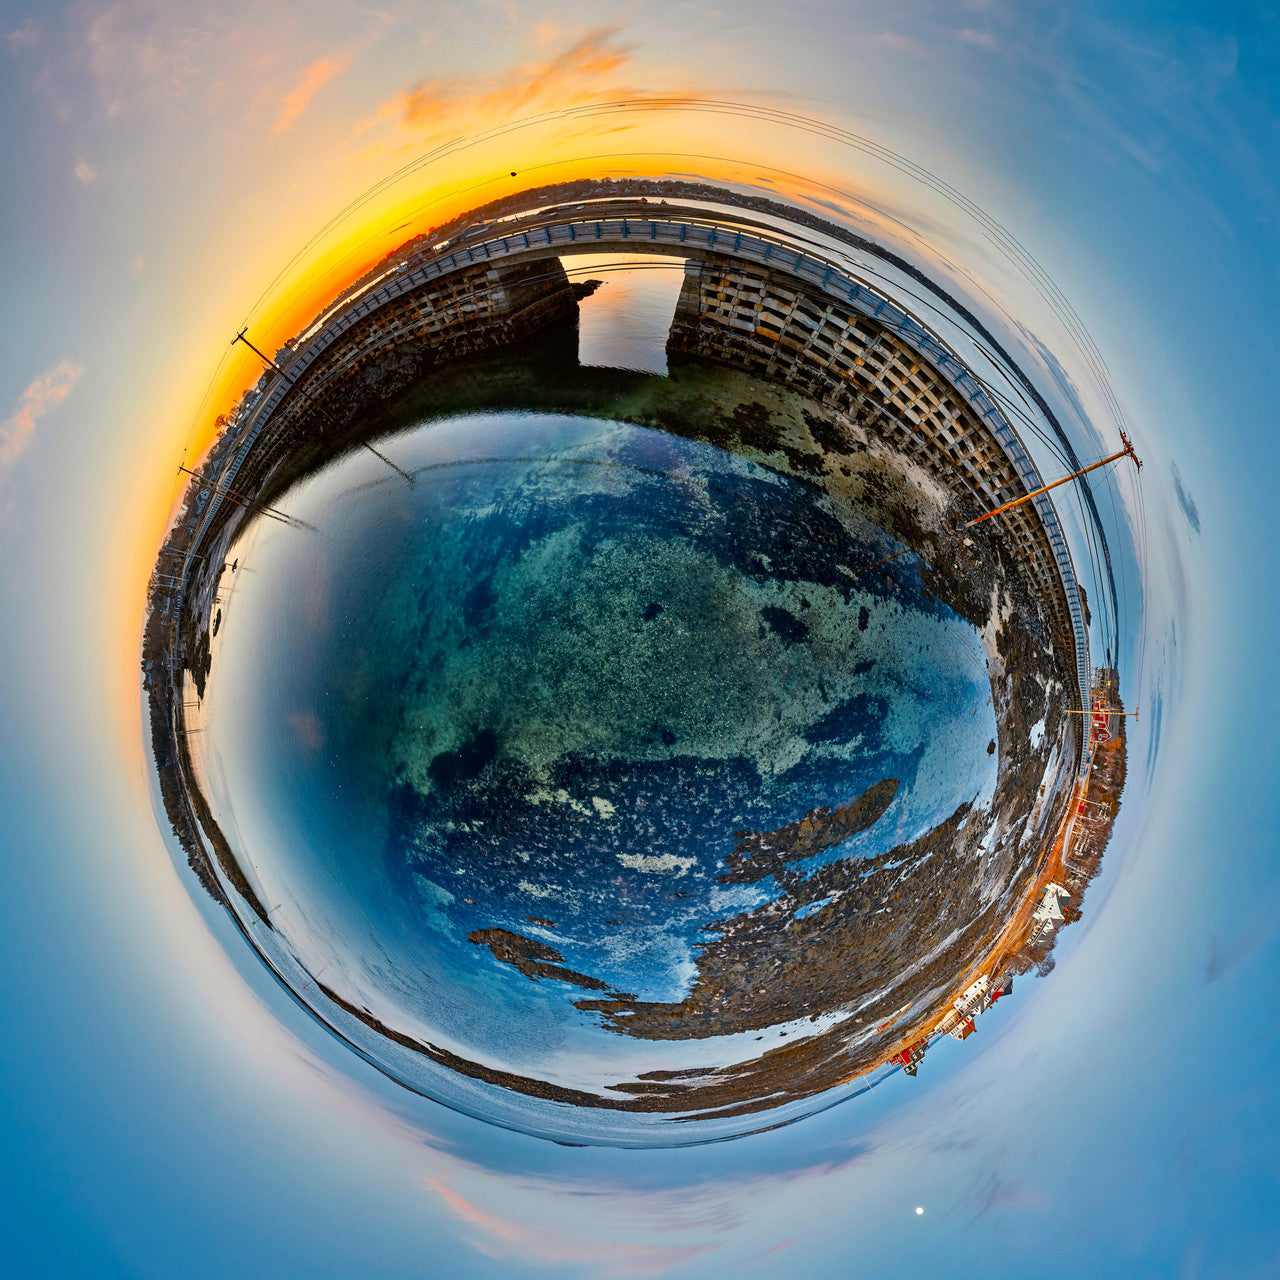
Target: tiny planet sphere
x=538, y=754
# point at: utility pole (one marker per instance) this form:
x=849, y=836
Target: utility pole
x=1120, y=453
x=1097, y=711
x=232, y=496
x=312, y=401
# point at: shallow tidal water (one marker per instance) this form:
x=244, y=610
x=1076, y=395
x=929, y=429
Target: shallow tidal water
x=543, y=691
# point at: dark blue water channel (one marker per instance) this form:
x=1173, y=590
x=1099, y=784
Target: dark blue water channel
x=540, y=691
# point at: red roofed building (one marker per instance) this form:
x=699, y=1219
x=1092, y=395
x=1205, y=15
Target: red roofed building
x=909, y=1058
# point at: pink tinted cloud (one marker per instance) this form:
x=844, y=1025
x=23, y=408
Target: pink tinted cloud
x=603, y=1259
x=23, y=37
x=47, y=392
x=316, y=76
x=585, y=69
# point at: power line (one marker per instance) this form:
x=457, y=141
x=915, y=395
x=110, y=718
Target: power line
x=314, y=403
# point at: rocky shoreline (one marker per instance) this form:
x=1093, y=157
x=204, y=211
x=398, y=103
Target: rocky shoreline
x=897, y=931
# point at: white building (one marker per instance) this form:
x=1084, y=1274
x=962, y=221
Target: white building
x=1050, y=910
x=972, y=994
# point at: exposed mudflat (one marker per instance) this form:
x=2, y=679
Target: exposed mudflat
x=842, y=943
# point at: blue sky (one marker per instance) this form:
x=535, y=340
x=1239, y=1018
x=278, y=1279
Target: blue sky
x=167, y=1114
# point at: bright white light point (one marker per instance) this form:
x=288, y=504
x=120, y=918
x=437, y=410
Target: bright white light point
x=919, y=1210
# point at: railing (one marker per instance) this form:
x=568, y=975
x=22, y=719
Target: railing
x=579, y=234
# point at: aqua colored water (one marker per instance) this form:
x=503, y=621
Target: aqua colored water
x=540, y=691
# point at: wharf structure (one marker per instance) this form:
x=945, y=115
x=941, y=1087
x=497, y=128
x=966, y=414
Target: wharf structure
x=749, y=299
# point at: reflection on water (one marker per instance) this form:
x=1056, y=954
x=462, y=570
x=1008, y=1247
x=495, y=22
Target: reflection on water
x=624, y=323
x=608, y=771
x=492, y=742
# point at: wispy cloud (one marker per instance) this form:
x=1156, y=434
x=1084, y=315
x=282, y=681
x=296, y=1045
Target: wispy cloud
x=977, y=37
x=583, y=71
x=235, y=69
x=22, y=37
x=85, y=172
x=1185, y=500
x=615, y=1229
x=604, y=1259
x=992, y=1190
x=316, y=76
x=44, y=394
